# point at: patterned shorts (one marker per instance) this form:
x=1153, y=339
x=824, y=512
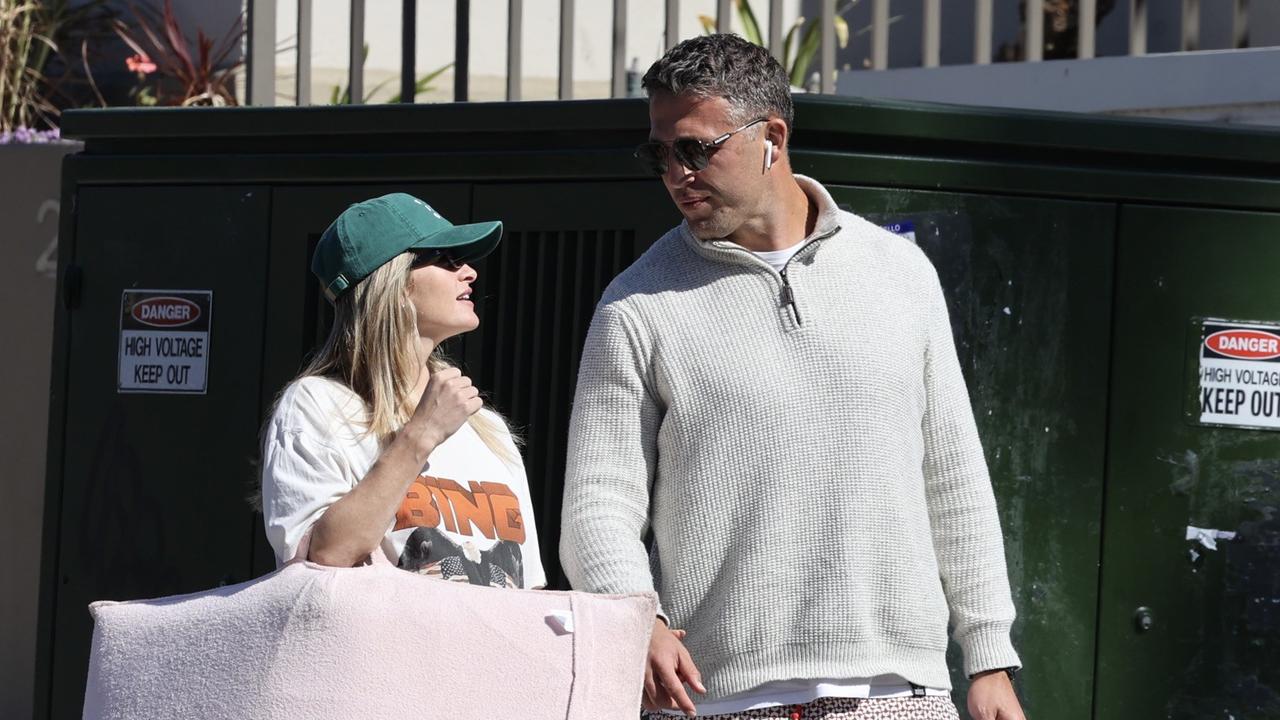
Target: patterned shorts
x=934, y=707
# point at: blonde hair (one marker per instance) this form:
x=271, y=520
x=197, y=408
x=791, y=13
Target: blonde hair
x=373, y=349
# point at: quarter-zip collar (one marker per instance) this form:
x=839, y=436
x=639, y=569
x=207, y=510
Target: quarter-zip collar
x=726, y=251
x=826, y=225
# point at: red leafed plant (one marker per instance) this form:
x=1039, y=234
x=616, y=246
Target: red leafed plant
x=169, y=73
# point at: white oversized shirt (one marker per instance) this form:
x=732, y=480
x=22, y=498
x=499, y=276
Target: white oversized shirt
x=468, y=517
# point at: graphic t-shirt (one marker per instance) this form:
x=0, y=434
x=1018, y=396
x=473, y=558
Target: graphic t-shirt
x=467, y=517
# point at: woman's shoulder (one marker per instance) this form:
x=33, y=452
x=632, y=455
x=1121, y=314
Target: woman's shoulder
x=315, y=401
x=488, y=433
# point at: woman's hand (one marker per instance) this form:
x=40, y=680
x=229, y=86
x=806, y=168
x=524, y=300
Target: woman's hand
x=446, y=403
x=354, y=525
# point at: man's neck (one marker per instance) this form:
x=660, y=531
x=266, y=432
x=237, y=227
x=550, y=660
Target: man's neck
x=783, y=223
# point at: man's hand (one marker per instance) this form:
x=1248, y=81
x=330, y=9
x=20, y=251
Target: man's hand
x=991, y=697
x=668, y=669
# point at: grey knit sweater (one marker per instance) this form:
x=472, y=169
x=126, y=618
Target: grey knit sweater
x=802, y=448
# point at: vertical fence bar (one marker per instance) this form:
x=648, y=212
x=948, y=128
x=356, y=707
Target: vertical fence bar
x=775, y=30
x=982, y=29
x=408, y=50
x=827, y=45
x=515, y=37
x=1190, y=25
x=880, y=34
x=671, y=34
x=931, y=46
x=565, y=80
x=1086, y=41
x=1035, y=31
x=302, y=79
x=260, y=81
x=1137, y=27
x=724, y=18
x=462, y=52
x=619, y=48
x=355, y=63
x=1240, y=24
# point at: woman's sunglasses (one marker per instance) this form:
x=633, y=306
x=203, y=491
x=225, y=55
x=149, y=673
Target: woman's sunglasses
x=690, y=153
x=443, y=258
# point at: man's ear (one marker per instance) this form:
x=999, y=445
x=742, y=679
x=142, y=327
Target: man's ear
x=776, y=133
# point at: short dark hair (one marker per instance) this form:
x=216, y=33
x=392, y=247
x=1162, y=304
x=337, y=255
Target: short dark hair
x=726, y=66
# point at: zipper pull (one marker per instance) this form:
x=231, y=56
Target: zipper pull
x=789, y=296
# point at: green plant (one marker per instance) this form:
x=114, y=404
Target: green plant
x=169, y=73
x=341, y=95
x=26, y=46
x=79, y=33
x=796, y=57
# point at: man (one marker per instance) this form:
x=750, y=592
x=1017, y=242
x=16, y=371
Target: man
x=772, y=391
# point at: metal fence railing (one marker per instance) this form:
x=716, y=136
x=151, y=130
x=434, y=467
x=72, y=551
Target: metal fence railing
x=261, y=51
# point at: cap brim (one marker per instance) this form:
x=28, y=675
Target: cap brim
x=467, y=243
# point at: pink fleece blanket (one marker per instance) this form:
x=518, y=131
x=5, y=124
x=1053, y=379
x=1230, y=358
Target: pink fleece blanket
x=309, y=641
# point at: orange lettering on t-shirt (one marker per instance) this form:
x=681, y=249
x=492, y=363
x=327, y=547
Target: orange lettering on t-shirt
x=506, y=511
x=442, y=502
x=418, y=509
x=488, y=507
x=472, y=508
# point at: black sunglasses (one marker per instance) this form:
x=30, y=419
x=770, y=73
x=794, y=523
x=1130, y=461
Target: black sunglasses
x=690, y=153
x=443, y=258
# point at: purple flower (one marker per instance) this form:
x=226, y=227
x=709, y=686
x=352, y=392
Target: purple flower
x=28, y=136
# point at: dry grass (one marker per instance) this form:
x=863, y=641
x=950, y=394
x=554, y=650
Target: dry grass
x=24, y=48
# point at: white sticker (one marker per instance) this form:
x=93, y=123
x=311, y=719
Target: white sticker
x=1208, y=537
x=164, y=341
x=1239, y=374
x=905, y=228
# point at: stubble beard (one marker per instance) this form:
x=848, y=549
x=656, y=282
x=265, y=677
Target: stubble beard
x=719, y=224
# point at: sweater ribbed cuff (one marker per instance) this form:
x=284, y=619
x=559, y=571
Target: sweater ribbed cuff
x=988, y=649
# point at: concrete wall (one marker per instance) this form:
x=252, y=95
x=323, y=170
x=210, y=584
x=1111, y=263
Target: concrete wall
x=29, y=190
x=1230, y=86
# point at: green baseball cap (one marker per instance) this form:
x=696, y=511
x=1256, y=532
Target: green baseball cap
x=370, y=233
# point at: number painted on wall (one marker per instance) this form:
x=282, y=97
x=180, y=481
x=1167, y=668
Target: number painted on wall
x=47, y=262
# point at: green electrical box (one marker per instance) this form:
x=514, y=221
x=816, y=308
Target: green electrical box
x=1111, y=291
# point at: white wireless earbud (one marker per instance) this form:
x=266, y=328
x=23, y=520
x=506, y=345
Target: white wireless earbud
x=768, y=154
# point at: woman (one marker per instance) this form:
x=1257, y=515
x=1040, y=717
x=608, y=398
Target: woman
x=380, y=445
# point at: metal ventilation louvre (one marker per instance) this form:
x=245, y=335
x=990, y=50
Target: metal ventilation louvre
x=537, y=293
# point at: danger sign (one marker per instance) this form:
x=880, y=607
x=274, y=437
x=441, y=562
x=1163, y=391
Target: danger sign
x=164, y=341
x=1239, y=374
